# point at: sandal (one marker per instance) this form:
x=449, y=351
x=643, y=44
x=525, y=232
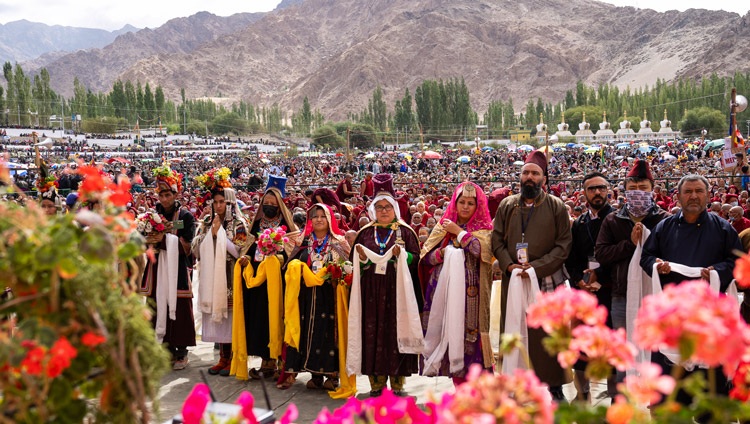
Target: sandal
x=288, y=382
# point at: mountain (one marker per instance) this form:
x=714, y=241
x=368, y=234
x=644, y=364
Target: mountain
x=98, y=68
x=24, y=40
x=336, y=52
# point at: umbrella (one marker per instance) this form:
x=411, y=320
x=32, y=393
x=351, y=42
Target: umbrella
x=429, y=154
x=570, y=145
x=370, y=156
x=463, y=159
x=647, y=149
x=175, y=160
x=669, y=157
x=715, y=144
x=562, y=145
x=518, y=163
x=622, y=145
x=120, y=160
x=591, y=150
x=525, y=147
x=264, y=160
x=619, y=157
x=208, y=159
x=487, y=148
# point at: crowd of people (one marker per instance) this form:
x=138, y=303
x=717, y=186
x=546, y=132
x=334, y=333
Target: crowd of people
x=385, y=265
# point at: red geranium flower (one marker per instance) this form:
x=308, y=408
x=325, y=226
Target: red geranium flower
x=62, y=352
x=32, y=363
x=742, y=271
x=92, y=339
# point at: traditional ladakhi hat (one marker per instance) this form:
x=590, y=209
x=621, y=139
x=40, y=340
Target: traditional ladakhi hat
x=383, y=184
x=641, y=170
x=167, y=179
x=277, y=183
x=538, y=158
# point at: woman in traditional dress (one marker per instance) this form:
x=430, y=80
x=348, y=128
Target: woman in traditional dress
x=383, y=341
x=456, y=270
x=323, y=245
x=221, y=239
x=272, y=214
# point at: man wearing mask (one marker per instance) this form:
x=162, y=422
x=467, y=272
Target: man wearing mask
x=738, y=221
x=531, y=239
x=585, y=272
x=619, y=234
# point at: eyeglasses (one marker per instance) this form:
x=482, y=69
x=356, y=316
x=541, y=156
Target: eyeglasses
x=386, y=208
x=597, y=188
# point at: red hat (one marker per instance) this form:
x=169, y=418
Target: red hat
x=641, y=170
x=538, y=158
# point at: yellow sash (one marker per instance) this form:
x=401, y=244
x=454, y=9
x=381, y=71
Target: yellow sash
x=348, y=383
x=294, y=270
x=270, y=270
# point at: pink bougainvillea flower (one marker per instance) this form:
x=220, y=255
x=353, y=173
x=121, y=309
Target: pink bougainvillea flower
x=195, y=404
x=649, y=385
x=290, y=415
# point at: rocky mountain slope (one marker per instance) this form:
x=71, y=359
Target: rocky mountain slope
x=23, y=40
x=337, y=51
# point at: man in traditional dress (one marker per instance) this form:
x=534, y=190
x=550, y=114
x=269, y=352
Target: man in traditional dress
x=532, y=230
x=167, y=278
x=695, y=239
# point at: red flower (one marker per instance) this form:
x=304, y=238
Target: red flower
x=62, y=352
x=121, y=193
x=92, y=339
x=32, y=363
x=742, y=271
x=335, y=271
x=348, y=279
x=159, y=227
x=741, y=381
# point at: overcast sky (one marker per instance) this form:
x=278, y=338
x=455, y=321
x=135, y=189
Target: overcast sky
x=111, y=15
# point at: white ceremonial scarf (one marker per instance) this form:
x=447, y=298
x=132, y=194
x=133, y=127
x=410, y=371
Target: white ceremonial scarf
x=691, y=272
x=445, y=329
x=639, y=286
x=166, y=285
x=213, y=289
x=408, y=324
x=495, y=315
x=521, y=295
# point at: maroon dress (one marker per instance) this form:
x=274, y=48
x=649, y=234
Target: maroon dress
x=380, y=355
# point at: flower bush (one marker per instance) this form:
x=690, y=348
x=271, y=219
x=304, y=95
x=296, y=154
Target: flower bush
x=340, y=273
x=81, y=345
x=195, y=408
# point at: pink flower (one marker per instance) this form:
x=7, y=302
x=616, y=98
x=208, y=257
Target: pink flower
x=703, y=324
x=290, y=415
x=603, y=345
x=246, y=401
x=195, y=404
x=554, y=311
x=648, y=387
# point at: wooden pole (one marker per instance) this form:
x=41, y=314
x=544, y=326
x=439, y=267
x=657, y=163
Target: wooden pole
x=348, y=153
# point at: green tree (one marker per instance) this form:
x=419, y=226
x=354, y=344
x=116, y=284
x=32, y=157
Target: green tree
x=148, y=103
x=363, y=136
x=228, y=122
x=714, y=121
x=10, y=96
x=327, y=137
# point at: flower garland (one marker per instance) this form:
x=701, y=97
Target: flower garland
x=44, y=185
x=216, y=177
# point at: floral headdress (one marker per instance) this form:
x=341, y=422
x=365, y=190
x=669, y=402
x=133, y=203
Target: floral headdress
x=167, y=179
x=215, y=179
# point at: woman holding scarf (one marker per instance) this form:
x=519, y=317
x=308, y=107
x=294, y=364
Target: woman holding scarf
x=220, y=240
x=456, y=274
x=323, y=249
x=257, y=328
x=385, y=336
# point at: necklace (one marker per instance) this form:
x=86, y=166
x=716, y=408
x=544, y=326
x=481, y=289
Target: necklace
x=383, y=243
x=269, y=223
x=318, y=246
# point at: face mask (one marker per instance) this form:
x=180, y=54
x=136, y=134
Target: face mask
x=192, y=210
x=422, y=238
x=270, y=211
x=639, y=202
x=733, y=203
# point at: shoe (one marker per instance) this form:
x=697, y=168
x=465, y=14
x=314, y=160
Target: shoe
x=268, y=373
x=180, y=364
x=400, y=393
x=288, y=382
x=225, y=371
x=216, y=369
x=315, y=383
x=376, y=393
x=331, y=384
x=557, y=395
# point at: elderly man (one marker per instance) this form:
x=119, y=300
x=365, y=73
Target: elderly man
x=738, y=221
x=532, y=231
x=345, y=189
x=694, y=238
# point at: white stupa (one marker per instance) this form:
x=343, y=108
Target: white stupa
x=541, y=129
x=625, y=133
x=563, y=129
x=605, y=133
x=584, y=133
x=666, y=133
x=645, y=133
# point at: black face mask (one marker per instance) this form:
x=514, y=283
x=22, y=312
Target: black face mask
x=270, y=211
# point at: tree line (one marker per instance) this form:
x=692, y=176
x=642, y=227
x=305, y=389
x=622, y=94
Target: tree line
x=437, y=109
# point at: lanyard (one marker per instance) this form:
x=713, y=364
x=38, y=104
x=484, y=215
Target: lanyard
x=588, y=229
x=322, y=245
x=525, y=223
x=381, y=243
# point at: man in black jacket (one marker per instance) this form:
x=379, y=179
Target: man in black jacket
x=620, y=233
x=585, y=272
